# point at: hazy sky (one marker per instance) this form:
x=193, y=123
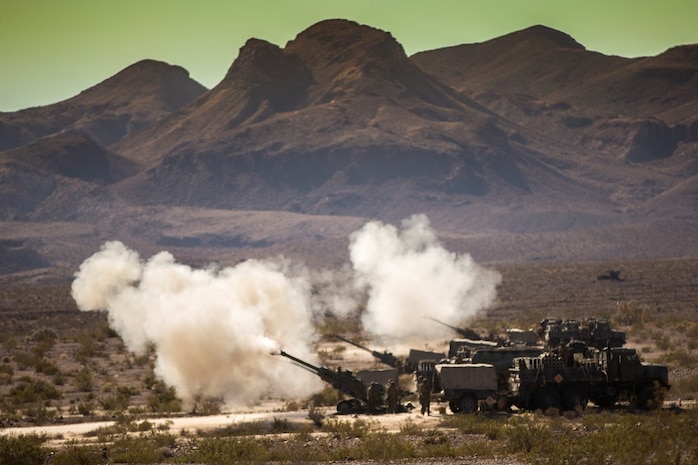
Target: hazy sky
x=51, y=50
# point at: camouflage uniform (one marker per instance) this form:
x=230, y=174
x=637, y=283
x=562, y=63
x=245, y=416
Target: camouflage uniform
x=425, y=396
x=391, y=396
x=373, y=397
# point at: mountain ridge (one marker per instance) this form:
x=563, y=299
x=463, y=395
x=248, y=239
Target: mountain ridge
x=526, y=134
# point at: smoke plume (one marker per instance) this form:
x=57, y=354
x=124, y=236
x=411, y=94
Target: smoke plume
x=410, y=277
x=212, y=330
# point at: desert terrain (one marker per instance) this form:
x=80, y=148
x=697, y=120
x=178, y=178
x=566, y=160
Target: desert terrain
x=68, y=377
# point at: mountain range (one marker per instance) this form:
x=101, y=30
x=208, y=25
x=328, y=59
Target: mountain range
x=524, y=147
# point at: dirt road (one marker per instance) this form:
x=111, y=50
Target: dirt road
x=268, y=412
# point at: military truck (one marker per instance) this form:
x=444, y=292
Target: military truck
x=463, y=347
x=599, y=334
x=568, y=379
x=592, y=331
x=502, y=358
x=465, y=385
x=519, y=337
x=417, y=356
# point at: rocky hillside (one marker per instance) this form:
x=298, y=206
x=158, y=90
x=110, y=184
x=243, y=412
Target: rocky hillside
x=525, y=136
x=109, y=111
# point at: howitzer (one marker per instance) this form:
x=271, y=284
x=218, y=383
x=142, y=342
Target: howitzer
x=342, y=380
x=384, y=357
x=465, y=332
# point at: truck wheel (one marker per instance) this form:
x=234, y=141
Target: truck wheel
x=468, y=404
x=649, y=398
x=575, y=396
x=454, y=406
x=548, y=397
x=607, y=398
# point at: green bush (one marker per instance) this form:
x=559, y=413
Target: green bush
x=164, y=399
x=46, y=367
x=25, y=360
x=45, y=339
x=30, y=390
x=88, y=348
x=207, y=405
x=83, y=380
x=146, y=448
x=228, y=450
x=22, y=449
x=325, y=398
x=77, y=454
x=6, y=373
x=527, y=435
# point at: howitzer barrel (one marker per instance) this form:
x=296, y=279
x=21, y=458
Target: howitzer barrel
x=343, y=381
x=465, y=332
x=310, y=366
x=384, y=357
x=352, y=343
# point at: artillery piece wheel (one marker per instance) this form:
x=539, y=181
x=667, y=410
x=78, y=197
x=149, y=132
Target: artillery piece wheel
x=349, y=406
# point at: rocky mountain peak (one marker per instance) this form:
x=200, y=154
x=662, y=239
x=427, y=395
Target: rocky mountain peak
x=265, y=70
x=544, y=35
x=341, y=47
x=169, y=85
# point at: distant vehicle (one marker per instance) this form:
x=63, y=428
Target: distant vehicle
x=592, y=331
x=463, y=347
x=519, y=337
x=612, y=275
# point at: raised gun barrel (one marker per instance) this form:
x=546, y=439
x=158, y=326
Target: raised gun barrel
x=344, y=381
x=384, y=357
x=465, y=332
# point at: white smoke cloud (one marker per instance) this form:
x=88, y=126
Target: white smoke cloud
x=213, y=330
x=410, y=277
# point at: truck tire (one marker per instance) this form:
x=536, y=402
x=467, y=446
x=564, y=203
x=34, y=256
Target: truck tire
x=575, y=396
x=468, y=403
x=607, y=398
x=454, y=406
x=647, y=397
x=548, y=397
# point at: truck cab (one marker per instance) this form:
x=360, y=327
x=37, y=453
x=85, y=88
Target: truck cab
x=642, y=383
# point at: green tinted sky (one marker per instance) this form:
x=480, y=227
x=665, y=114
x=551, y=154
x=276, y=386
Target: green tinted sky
x=51, y=50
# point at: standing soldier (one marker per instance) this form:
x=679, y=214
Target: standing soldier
x=425, y=395
x=373, y=397
x=391, y=396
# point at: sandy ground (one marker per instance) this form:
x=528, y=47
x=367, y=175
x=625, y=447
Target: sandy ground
x=265, y=412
